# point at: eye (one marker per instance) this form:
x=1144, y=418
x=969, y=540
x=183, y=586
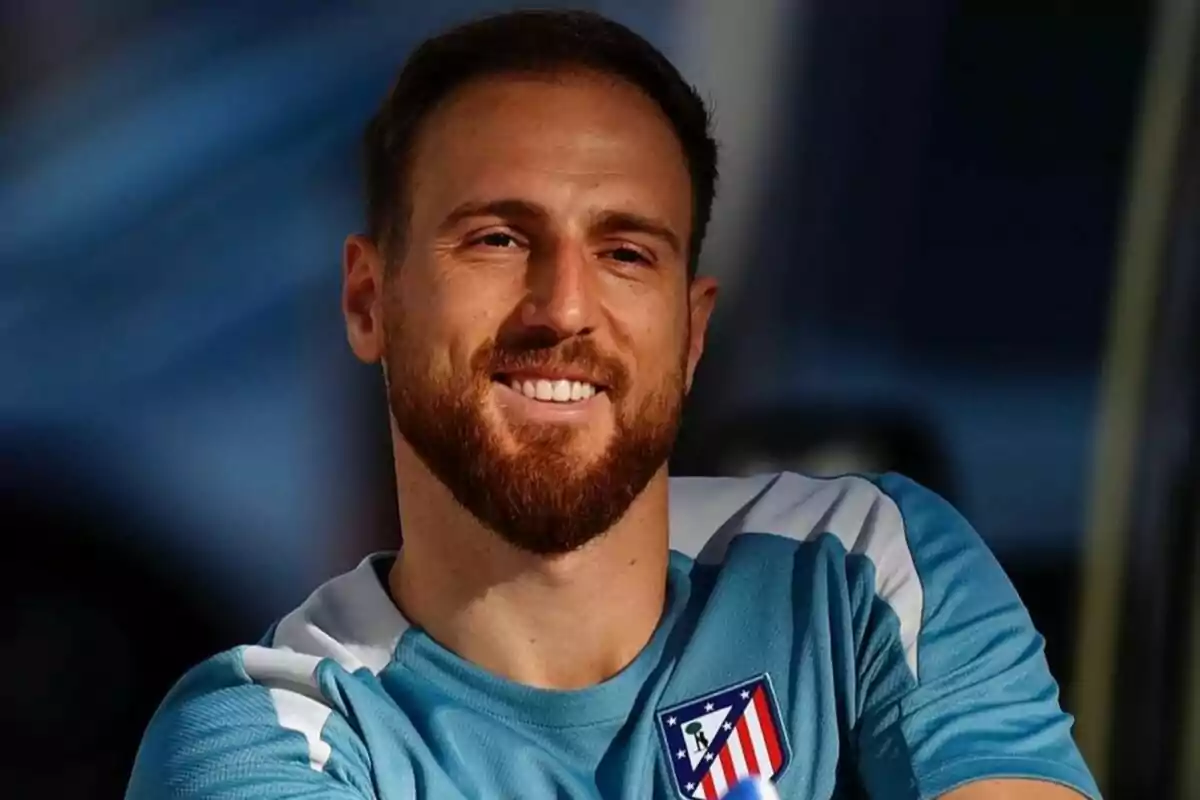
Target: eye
x=498, y=239
x=628, y=255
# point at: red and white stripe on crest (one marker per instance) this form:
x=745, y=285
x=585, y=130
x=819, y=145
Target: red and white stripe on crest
x=753, y=748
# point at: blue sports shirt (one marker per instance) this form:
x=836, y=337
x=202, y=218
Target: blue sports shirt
x=843, y=637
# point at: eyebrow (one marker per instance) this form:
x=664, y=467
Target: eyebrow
x=628, y=222
x=508, y=208
x=606, y=222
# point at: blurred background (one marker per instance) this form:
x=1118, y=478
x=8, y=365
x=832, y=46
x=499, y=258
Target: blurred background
x=957, y=239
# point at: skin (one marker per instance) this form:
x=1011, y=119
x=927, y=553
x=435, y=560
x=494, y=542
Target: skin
x=595, y=248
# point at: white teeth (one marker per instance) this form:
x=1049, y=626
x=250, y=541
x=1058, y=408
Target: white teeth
x=558, y=391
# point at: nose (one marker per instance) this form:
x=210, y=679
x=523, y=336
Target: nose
x=561, y=294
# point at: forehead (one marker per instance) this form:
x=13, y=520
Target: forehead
x=563, y=141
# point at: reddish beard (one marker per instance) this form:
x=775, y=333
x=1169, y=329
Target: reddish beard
x=540, y=499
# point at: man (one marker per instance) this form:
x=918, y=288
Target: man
x=563, y=621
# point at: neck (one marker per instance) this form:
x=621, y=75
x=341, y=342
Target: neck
x=552, y=622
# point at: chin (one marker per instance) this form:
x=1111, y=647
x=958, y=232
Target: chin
x=583, y=433
x=580, y=447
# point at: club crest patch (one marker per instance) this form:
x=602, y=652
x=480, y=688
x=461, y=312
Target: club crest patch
x=714, y=741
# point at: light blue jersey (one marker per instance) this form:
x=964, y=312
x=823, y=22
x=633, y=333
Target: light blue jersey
x=843, y=637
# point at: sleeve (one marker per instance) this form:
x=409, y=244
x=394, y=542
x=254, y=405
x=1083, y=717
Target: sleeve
x=969, y=695
x=219, y=735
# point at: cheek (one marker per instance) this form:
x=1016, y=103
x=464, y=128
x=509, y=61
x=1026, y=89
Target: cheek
x=458, y=317
x=417, y=337
x=659, y=345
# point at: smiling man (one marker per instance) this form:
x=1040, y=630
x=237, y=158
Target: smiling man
x=563, y=620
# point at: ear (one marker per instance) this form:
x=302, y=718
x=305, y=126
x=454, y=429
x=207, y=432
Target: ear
x=362, y=297
x=702, y=299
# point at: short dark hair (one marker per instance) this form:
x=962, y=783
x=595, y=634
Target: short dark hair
x=521, y=42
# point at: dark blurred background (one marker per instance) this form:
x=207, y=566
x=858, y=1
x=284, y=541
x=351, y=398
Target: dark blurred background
x=959, y=240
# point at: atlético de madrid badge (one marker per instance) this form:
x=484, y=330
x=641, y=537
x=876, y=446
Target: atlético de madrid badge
x=716, y=740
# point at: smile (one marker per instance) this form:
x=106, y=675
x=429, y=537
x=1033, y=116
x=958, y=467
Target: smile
x=546, y=389
x=557, y=400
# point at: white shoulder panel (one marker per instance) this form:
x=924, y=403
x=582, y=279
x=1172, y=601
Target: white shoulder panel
x=351, y=620
x=707, y=513
x=291, y=681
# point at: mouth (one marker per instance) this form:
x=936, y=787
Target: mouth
x=552, y=389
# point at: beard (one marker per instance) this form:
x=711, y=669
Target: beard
x=538, y=497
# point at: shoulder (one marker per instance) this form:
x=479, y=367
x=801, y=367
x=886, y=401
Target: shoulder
x=277, y=699
x=912, y=542
x=350, y=620
x=881, y=513
x=349, y=625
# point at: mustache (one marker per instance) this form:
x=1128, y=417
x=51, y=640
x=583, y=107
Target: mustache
x=532, y=353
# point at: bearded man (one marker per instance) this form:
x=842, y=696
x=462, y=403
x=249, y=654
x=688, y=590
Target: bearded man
x=563, y=620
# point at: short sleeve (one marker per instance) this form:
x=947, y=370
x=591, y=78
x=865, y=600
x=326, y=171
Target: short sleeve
x=220, y=735
x=974, y=699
